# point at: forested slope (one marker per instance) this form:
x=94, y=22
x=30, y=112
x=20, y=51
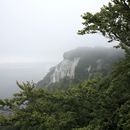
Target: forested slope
x=81, y=64
x=102, y=103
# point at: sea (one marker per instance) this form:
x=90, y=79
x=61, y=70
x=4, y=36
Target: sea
x=21, y=72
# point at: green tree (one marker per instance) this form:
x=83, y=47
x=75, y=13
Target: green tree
x=96, y=104
x=113, y=22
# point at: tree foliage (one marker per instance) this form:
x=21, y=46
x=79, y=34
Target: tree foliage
x=113, y=22
x=102, y=103
x=98, y=104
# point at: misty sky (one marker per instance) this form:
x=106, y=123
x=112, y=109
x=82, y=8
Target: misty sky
x=42, y=30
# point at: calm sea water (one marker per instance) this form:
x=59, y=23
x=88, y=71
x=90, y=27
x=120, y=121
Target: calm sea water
x=9, y=73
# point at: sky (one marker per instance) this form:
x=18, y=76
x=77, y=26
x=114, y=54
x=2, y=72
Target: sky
x=34, y=34
x=42, y=30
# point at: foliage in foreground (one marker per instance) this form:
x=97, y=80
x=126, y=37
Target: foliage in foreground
x=113, y=22
x=98, y=104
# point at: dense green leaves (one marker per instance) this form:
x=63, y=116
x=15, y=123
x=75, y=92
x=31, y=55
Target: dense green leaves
x=102, y=103
x=113, y=22
x=98, y=104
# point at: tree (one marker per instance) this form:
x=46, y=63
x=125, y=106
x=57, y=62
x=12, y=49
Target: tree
x=113, y=22
x=98, y=104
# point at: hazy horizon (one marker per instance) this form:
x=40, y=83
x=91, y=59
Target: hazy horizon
x=35, y=34
x=41, y=31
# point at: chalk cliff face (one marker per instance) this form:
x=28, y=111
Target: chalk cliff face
x=81, y=64
x=64, y=69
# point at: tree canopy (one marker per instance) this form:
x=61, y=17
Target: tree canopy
x=113, y=22
x=102, y=103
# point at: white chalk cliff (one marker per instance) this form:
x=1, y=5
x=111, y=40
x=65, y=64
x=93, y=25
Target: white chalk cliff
x=64, y=69
x=80, y=64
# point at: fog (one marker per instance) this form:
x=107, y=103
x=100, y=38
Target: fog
x=34, y=34
x=22, y=73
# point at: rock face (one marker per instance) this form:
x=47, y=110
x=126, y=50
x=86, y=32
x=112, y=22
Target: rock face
x=81, y=64
x=65, y=69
